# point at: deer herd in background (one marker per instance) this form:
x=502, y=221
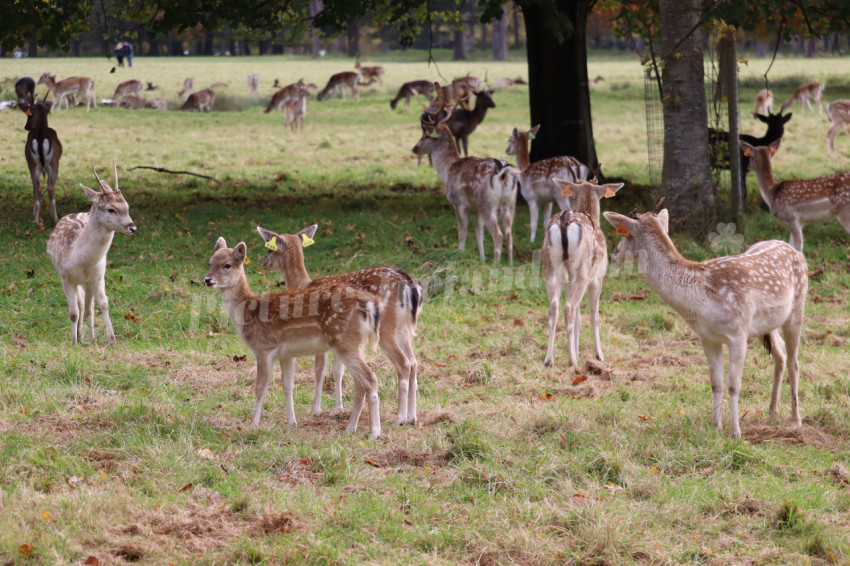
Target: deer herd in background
x=725, y=300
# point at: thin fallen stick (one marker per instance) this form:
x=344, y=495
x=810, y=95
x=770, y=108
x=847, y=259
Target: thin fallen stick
x=161, y=170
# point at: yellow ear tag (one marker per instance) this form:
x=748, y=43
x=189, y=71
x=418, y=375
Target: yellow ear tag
x=622, y=230
x=772, y=151
x=566, y=192
x=247, y=261
x=609, y=193
x=29, y=112
x=306, y=241
x=272, y=244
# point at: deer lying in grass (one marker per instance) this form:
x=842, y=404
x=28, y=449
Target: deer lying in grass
x=202, y=101
x=804, y=94
x=370, y=74
x=308, y=322
x=400, y=298
x=484, y=187
x=575, y=258
x=764, y=103
x=336, y=83
x=506, y=82
x=800, y=201
x=43, y=151
x=78, y=247
x=69, y=87
x=415, y=89
x=838, y=112
x=536, y=180
x=725, y=301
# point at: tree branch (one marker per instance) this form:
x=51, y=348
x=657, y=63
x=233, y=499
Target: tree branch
x=161, y=170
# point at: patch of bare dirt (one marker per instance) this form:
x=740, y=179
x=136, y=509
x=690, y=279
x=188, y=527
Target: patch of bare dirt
x=297, y=471
x=437, y=418
x=402, y=457
x=840, y=474
x=748, y=506
x=807, y=435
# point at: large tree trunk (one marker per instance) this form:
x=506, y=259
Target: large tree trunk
x=353, y=34
x=209, y=37
x=315, y=8
x=558, y=92
x=500, y=36
x=459, y=48
x=686, y=176
x=726, y=52
x=515, y=10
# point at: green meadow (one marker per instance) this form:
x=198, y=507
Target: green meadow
x=143, y=452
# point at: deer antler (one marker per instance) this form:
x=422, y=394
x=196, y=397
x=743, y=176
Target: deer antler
x=658, y=206
x=633, y=213
x=104, y=186
x=115, y=168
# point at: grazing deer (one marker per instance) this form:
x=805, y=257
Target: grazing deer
x=70, y=86
x=725, y=301
x=483, y=187
x=400, y=298
x=575, y=259
x=289, y=92
x=415, y=89
x=536, y=180
x=202, y=100
x=764, y=103
x=188, y=87
x=463, y=122
x=804, y=95
x=43, y=151
x=838, y=112
x=295, y=110
x=308, y=322
x=371, y=74
x=347, y=79
x=78, y=247
x=128, y=87
x=253, y=84
x=596, y=81
x=25, y=91
x=799, y=202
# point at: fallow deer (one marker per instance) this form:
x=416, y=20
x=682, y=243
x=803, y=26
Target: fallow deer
x=43, y=151
x=188, y=87
x=596, y=81
x=471, y=81
x=838, y=112
x=575, y=259
x=725, y=301
x=132, y=86
x=506, y=82
x=463, y=122
x=152, y=86
x=25, y=91
x=202, y=101
x=764, y=103
x=483, y=187
x=415, y=89
x=289, y=92
x=308, y=322
x=73, y=85
x=799, y=202
x=400, y=298
x=253, y=83
x=370, y=74
x=295, y=110
x=347, y=79
x=78, y=247
x=804, y=94
x=536, y=180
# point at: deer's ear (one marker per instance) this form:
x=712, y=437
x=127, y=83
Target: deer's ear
x=564, y=185
x=534, y=130
x=266, y=235
x=761, y=118
x=664, y=219
x=310, y=231
x=786, y=118
x=623, y=224
x=240, y=251
x=219, y=244
x=91, y=193
x=609, y=190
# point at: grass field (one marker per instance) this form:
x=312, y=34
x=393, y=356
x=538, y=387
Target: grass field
x=142, y=452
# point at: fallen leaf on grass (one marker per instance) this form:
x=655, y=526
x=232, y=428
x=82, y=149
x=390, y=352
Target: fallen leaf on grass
x=545, y=395
x=187, y=486
x=579, y=379
x=26, y=549
x=646, y=418
x=45, y=514
x=91, y=561
x=373, y=463
x=518, y=322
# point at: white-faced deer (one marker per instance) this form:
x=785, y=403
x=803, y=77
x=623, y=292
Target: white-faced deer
x=338, y=83
x=295, y=110
x=483, y=187
x=764, y=103
x=399, y=295
x=289, y=92
x=800, y=201
x=414, y=89
x=71, y=86
x=188, y=87
x=253, y=84
x=283, y=326
x=78, y=247
x=575, y=259
x=43, y=151
x=370, y=74
x=536, y=180
x=132, y=86
x=838, y=112
x=804, y=94
x=25, y=91
x=202, y=101
x=726, y=301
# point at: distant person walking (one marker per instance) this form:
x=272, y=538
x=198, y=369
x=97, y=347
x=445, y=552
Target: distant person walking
x=128, y=52
x=119, y=53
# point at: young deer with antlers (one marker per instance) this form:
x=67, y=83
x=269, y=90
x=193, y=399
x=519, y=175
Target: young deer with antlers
x=804, y=94
x=70, y=86
x=399, y=295
x=484, y=187
x=838, y=112
x=575, y=258
x=347, y=79
x=78, y=248
x=536, y=180
x=726, y=301
x=283, y=326
x=43, y=152
x=800, y=201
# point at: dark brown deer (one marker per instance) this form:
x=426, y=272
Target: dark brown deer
x=463, y=122
x=413, y=88
x=43, y=151
x=24, y=90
